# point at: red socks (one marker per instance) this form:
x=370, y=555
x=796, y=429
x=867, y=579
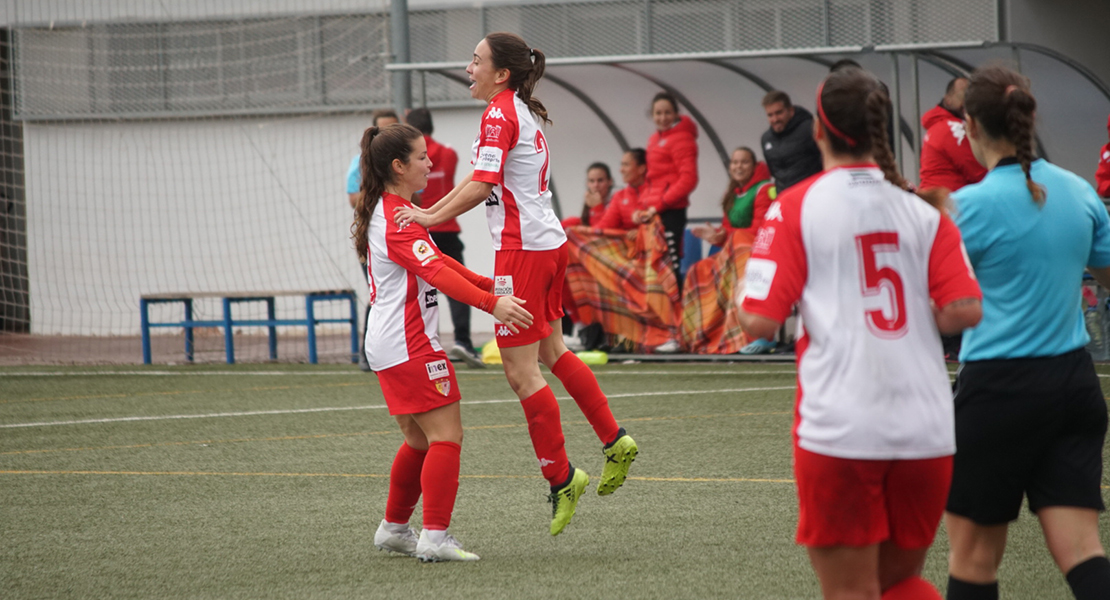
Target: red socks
x=541, y=410
x=440, y=479
x=582, y=385
x=912, y=588
x=434, y=471
x=404, y=484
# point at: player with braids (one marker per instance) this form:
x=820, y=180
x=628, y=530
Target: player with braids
x=1030, y=414
x=511, y=160
x=402, y=344
x=877, y=274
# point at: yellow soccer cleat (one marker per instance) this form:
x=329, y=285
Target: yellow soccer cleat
x=618, y=458
x=565, y=501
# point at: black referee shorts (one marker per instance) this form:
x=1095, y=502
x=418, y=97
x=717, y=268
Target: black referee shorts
x=1030, y=427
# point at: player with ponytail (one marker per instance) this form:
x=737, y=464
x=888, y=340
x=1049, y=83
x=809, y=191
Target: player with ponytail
x=511, y=159
x=1030, y=414
x=877, y=274
x=402, y=342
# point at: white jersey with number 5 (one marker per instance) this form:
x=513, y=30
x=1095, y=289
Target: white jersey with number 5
x=511, y=153
x=862, y=259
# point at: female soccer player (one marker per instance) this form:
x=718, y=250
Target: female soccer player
x=876, y=272
x=402, y=344
x=1030, y=414
x=511, y=177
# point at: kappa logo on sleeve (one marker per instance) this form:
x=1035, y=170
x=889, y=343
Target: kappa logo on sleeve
x=493, y=132
x=489, y=159
x=774, y=212
x=437, y=370
x=423, y=251
x=503, y=285
x=758, y=276
x=495, y=113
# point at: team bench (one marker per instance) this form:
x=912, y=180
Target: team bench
x=229, y=322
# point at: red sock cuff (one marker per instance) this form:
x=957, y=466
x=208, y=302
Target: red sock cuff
x=567, y=365
x=457, y=447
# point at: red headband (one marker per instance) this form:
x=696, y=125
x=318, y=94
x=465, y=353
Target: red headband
x=825, y=120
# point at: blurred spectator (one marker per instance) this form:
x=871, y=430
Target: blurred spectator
x=620, y=274
x=599, y=185
x=946, y=158
x=441, y=180
x=1102, y=175
x=672, y=166
x=710, y=319
x=788, y=146
x=379, y=118
x=625, y=207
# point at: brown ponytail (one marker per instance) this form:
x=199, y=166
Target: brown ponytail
x=1000, y=101
x=525, y=64
x=852, y=131
x=380, y=147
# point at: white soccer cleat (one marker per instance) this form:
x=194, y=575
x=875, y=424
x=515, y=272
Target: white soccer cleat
x=440, y=546
x=393, y=537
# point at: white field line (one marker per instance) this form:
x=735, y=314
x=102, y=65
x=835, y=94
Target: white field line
x=294, y=411
x=348, y=373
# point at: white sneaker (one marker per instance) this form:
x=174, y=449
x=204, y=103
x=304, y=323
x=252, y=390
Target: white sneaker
x=439, y=546
x=670, y=347
x=573, y=344
x=394, y=537
x=468, y=356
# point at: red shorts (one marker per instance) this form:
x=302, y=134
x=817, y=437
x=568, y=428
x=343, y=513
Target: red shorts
x=419, y=385
x=535, y=276
x=848, y=502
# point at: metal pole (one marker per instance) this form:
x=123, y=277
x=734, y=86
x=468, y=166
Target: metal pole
x=825, y=27
x=895, y=99
x=918, y=141
x=399, y=38
x=646, y=41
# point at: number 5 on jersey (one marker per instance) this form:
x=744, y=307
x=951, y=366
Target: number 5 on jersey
x=874, y=281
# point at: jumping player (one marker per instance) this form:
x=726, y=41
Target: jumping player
x=1030, y=414
x=877, y=274
x=511, y=177
x=402, y=343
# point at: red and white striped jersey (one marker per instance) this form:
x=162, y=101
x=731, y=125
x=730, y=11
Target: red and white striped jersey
x=404, y=321
x=862, y=259
x=511, y=153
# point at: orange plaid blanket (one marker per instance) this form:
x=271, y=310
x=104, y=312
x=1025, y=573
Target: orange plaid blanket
x=709, y=323
x=624, y=281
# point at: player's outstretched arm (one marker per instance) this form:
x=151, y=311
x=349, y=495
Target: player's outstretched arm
x=478, y=281
x=446, y=199
x=506, y=309
x=471, y=195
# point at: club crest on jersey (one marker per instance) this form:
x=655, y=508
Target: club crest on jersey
x=437, y=370
x=443, y=386
x=489, y=159
x=503, y=285
x=495, y=113
x=423, y=251
x=763, y=240
x=431, y=298
x=493, y=132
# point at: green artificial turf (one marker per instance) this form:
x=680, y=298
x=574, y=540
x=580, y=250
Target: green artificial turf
x=277, y=490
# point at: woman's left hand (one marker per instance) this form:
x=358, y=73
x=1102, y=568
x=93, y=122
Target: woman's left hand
x=403, y=215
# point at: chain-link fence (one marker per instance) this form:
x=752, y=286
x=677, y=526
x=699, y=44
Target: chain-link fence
x=318, y=63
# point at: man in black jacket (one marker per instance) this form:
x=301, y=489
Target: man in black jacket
x=788, y=146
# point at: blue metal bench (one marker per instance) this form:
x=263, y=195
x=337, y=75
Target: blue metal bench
x=229, y=322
